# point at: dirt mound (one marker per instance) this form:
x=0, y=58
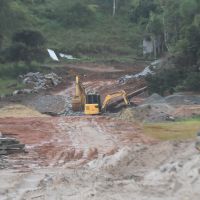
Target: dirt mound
x=187, y=111
x=48, y=104
x=140, y=158
x=147, y=113
x=153, y=109
x=154, y=98
x=178, y=99
x=157, y=109
x=19, y=111
x=121, y=158
x=163, y=169
x=127, y=115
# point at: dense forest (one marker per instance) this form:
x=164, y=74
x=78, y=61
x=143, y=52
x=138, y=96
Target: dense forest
x=103, y=30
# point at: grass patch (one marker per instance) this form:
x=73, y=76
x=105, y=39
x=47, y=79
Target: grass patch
x=7, y=86
x=173, y=130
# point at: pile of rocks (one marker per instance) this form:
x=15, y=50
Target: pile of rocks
x=48, y=104
x=148, y=70
x=38, y=81
x=10, y=145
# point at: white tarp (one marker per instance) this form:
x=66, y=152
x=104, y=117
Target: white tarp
x=70, y=57
x=147, y=47
x=52, y=55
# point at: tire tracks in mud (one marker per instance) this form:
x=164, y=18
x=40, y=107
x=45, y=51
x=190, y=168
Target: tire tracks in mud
x=87, y=136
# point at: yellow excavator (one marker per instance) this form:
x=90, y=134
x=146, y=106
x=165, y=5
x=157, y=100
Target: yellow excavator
x=90, y=103
x=79, y=98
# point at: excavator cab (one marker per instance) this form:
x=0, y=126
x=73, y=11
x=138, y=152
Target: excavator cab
x=93, y=104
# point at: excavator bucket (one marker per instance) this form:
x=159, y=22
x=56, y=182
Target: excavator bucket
x=77, y=104
x=78, y=101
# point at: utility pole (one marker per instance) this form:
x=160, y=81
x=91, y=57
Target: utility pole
x=114, y=7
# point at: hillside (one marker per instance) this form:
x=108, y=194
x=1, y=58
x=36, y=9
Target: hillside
x=89, y=29
x=95, y=31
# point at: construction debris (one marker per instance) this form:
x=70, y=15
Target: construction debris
x=69, y=57
x=148, y=70
x=10, y=145
x=38, y=81
x=53, y=55
x=41, y=81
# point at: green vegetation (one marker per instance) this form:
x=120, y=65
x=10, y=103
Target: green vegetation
x=185, y=129
x=8, y=85
x=27, y=46
x=181, y=31
x=94, y=30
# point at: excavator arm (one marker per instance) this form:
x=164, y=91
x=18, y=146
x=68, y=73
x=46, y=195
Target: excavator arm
x=79, y=99
x=109, y=97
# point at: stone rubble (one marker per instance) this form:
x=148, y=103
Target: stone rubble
x=10, y=145
x=38, y=81
x=148, y=70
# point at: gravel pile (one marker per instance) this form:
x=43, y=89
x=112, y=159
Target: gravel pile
x=48, y=104
x=148, y=113
x=157, y=108
x=154, y=98
x=178, y=99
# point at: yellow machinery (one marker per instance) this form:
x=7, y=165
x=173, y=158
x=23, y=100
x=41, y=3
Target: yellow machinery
x=78, y=101
x=109, y=97
x=91, y=103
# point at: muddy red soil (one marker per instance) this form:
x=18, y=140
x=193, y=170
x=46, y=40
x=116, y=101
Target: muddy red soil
x=99, y=72
x=56, y=141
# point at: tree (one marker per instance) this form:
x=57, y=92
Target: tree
x=188, y=9
x=193, y=81
x=1, y=41
x=113, y=5
x=28, y=45
x=142, y=10
x=155, y=28
x=29, y=38
x=77, y=14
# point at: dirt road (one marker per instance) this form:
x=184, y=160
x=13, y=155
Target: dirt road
x=56, y=141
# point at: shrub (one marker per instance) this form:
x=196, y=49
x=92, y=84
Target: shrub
x=27, y=46
x=165, y=80
x=192, y=82
x=77, y=15
x=29, y=38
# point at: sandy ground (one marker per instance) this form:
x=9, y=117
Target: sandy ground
x=131, y=173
